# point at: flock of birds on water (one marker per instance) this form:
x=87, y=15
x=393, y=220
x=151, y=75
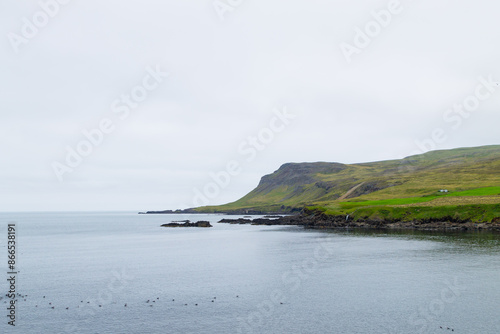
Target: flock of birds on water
x=150, y=302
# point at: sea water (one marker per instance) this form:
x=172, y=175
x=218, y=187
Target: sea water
x=77, y=271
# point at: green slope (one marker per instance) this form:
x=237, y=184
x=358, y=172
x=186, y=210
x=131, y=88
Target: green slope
x=471, y=175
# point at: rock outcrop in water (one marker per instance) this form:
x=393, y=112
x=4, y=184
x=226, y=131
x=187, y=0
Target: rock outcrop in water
x=188, y=224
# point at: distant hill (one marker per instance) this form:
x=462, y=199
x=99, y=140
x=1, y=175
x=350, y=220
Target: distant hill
x=469, y=175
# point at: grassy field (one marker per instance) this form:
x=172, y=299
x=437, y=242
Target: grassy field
x=476, y=212
x=480, y=194
x=401, y=189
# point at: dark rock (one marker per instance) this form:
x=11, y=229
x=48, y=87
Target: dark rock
x=236, y=221
x=187, y=224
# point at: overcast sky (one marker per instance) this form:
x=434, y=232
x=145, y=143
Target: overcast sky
x=250, y=84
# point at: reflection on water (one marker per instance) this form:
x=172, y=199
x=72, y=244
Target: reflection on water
x=472, y=238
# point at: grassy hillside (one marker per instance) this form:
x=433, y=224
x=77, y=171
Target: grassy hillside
x=471, y=176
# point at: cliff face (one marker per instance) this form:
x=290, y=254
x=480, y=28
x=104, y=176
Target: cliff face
x=297, y=175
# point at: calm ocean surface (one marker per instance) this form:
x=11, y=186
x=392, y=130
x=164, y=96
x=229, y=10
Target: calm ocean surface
x=244, y=279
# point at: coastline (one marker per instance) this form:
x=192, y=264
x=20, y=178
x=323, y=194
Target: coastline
x=319, y=220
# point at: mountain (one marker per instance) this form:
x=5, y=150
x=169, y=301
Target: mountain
x=466, y=175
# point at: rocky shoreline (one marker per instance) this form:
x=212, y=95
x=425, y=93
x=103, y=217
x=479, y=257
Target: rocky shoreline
x=313, y=219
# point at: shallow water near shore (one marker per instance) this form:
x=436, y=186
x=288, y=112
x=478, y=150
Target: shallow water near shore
x=245, y=279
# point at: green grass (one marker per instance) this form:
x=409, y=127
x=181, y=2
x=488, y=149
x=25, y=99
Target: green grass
x=486, y=191
x=394, y=201
x=476, y=213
